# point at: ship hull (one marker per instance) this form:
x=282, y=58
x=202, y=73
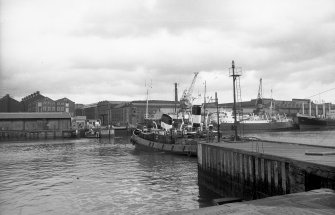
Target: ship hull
x=308, y=123
x=227, y=128
x=184, y=149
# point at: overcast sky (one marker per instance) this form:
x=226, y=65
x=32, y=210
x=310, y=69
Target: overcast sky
x=93, y=50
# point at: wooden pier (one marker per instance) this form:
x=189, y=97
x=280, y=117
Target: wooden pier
x=258, y=169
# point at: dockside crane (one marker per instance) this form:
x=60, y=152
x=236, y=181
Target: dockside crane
x=259, y=101
x=186, y=99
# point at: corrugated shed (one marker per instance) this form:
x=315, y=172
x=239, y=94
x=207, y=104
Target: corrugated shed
x=35, y=115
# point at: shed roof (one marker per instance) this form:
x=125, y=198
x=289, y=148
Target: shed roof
x=35, y=115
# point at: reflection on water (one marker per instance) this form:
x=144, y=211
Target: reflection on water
x=86, y=176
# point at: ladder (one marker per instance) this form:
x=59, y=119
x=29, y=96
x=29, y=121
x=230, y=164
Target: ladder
x=239, y=103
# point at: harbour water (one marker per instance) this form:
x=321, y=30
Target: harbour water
x=90, y=176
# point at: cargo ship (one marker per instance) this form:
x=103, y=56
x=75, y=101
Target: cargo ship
x=324, y=121
x=306, y=122
x=252, y=123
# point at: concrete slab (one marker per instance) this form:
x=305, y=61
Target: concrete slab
x=285, y=150
x=321, y=201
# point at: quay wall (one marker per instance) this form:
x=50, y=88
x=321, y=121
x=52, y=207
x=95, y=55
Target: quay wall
x=252, y=175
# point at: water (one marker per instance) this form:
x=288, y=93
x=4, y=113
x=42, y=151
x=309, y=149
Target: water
x=87, y=176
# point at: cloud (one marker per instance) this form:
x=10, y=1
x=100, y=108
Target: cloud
x=108, y=49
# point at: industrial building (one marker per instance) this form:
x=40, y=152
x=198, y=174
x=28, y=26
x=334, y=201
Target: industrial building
x=8, y=104
x=290, y=108
x=35, y=125
x=36, y=102
x=120, y=113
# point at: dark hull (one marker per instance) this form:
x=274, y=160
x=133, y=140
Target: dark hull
x=306, y=123
x=183, y=149
x=226, y=128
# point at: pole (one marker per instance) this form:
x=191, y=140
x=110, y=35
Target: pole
x=218, y=114
x=205, y=120
x=175, y=97
x=109, y=122
x=234, y=107
x=146, y=110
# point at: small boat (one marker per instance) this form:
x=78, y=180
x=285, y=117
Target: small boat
x=92, y=134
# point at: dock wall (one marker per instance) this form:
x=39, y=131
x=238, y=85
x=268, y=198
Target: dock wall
x=253, y=175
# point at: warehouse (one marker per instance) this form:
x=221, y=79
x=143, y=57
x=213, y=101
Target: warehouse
x=35, y=125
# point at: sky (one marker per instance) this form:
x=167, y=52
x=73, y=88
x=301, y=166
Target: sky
x=94, y=50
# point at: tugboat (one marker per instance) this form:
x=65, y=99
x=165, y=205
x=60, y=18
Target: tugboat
x=167, y=138
x=178, y=131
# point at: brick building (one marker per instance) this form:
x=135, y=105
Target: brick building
x=8, y=104
x=90, y=111
x=30, y=99
x=44, y=104
x=65, y=105
x=132, y=113
x=104, y=111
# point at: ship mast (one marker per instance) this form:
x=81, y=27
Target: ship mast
x=235, y=74
x=205, y=120
x=147, y=106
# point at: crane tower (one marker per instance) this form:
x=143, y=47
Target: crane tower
x=186, y=99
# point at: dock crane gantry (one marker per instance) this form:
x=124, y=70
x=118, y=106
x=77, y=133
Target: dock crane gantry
x=186, y=99
x=259, y=101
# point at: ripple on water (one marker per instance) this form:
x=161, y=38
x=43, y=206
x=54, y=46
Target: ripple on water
x=88, y=176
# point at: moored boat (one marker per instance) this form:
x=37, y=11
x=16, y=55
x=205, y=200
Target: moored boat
x=315, y=123
x=170, y=137
x=159, y=140
x=324, y=121
x=252, y=123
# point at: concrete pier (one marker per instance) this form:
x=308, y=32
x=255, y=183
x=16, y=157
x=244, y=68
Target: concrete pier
x=320, y=201
x=257, y=169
